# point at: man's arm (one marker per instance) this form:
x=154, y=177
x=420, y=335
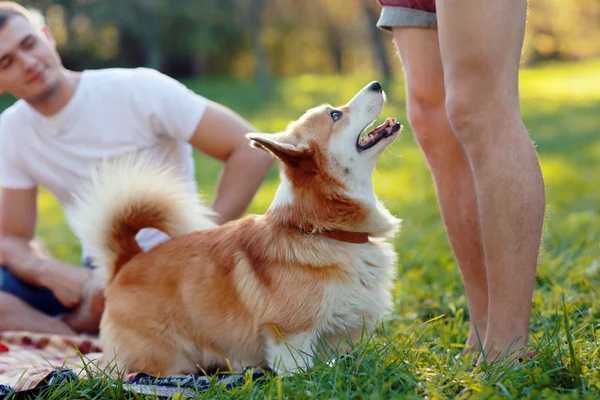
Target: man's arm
x=20, y=255
x=221, y=135
x=18, y=215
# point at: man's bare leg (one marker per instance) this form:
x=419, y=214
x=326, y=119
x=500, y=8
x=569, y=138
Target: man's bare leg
x=420, y=53
x=480, y=43
x=15, y=315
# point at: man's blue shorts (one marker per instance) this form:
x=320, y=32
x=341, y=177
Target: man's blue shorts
x=42, y=299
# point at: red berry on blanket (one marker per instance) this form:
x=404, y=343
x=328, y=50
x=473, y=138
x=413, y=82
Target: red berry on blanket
x=3, y=348
x=42, y=343
x=85, y=347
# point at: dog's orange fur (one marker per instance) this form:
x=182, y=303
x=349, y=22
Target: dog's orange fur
x=232, y=293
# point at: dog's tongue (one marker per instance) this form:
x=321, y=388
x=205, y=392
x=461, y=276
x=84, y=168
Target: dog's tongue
x=386, y=126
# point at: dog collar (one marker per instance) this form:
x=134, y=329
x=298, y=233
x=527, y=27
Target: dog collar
x=342, y=236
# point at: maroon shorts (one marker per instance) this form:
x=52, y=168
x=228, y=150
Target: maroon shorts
x=407, y=13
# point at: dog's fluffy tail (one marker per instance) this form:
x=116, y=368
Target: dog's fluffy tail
x=128, y=194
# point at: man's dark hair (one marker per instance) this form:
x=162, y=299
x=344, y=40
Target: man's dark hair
x=9, y=9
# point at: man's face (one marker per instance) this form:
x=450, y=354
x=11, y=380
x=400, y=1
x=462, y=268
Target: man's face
x=29, y=63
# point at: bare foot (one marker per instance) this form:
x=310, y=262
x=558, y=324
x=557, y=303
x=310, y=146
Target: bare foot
x=499, y=350
x=475, y=339
x=86, y=317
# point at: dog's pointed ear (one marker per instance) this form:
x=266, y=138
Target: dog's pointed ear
x=279, y=145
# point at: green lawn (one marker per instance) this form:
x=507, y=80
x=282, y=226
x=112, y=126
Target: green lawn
x=415, y=355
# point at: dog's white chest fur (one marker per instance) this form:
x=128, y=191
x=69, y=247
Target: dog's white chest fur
x=348, y=308
x=365, y=298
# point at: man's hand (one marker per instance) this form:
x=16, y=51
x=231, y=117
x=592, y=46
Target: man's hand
x=65, y=281
x=86, y=317
x=26, y=258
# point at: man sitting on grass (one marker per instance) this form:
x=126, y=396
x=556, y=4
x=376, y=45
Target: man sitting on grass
x=64, y=123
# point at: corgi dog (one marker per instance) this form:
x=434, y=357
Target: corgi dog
x=264, y=290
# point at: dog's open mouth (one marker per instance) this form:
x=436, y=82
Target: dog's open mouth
x=367, y=140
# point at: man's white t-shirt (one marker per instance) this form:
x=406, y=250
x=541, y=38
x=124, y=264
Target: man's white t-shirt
x=113, y=112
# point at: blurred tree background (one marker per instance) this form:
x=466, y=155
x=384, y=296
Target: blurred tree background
x=263, y=39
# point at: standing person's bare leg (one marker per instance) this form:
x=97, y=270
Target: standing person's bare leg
x=455, y=188
x=480, y=43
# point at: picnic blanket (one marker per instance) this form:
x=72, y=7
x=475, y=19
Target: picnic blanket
x=27, y=358
x=34, y=361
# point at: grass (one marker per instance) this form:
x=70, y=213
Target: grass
x=416, y=353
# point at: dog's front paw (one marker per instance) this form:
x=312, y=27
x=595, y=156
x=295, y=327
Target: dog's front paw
x=291, y=355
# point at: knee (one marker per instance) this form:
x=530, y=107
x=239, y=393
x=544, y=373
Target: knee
x=478, y=111
x=462, y=111
x=426, y=114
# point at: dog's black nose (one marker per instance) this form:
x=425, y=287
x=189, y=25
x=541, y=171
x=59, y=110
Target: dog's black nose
x=375, y=86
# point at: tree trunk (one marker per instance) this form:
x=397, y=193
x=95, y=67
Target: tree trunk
x=334, y=40
x=377, y=40
x=259, y=53
x=200, y=64
x=151, y=36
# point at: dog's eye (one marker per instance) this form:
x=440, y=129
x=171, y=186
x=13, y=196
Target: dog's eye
x=336, y=115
